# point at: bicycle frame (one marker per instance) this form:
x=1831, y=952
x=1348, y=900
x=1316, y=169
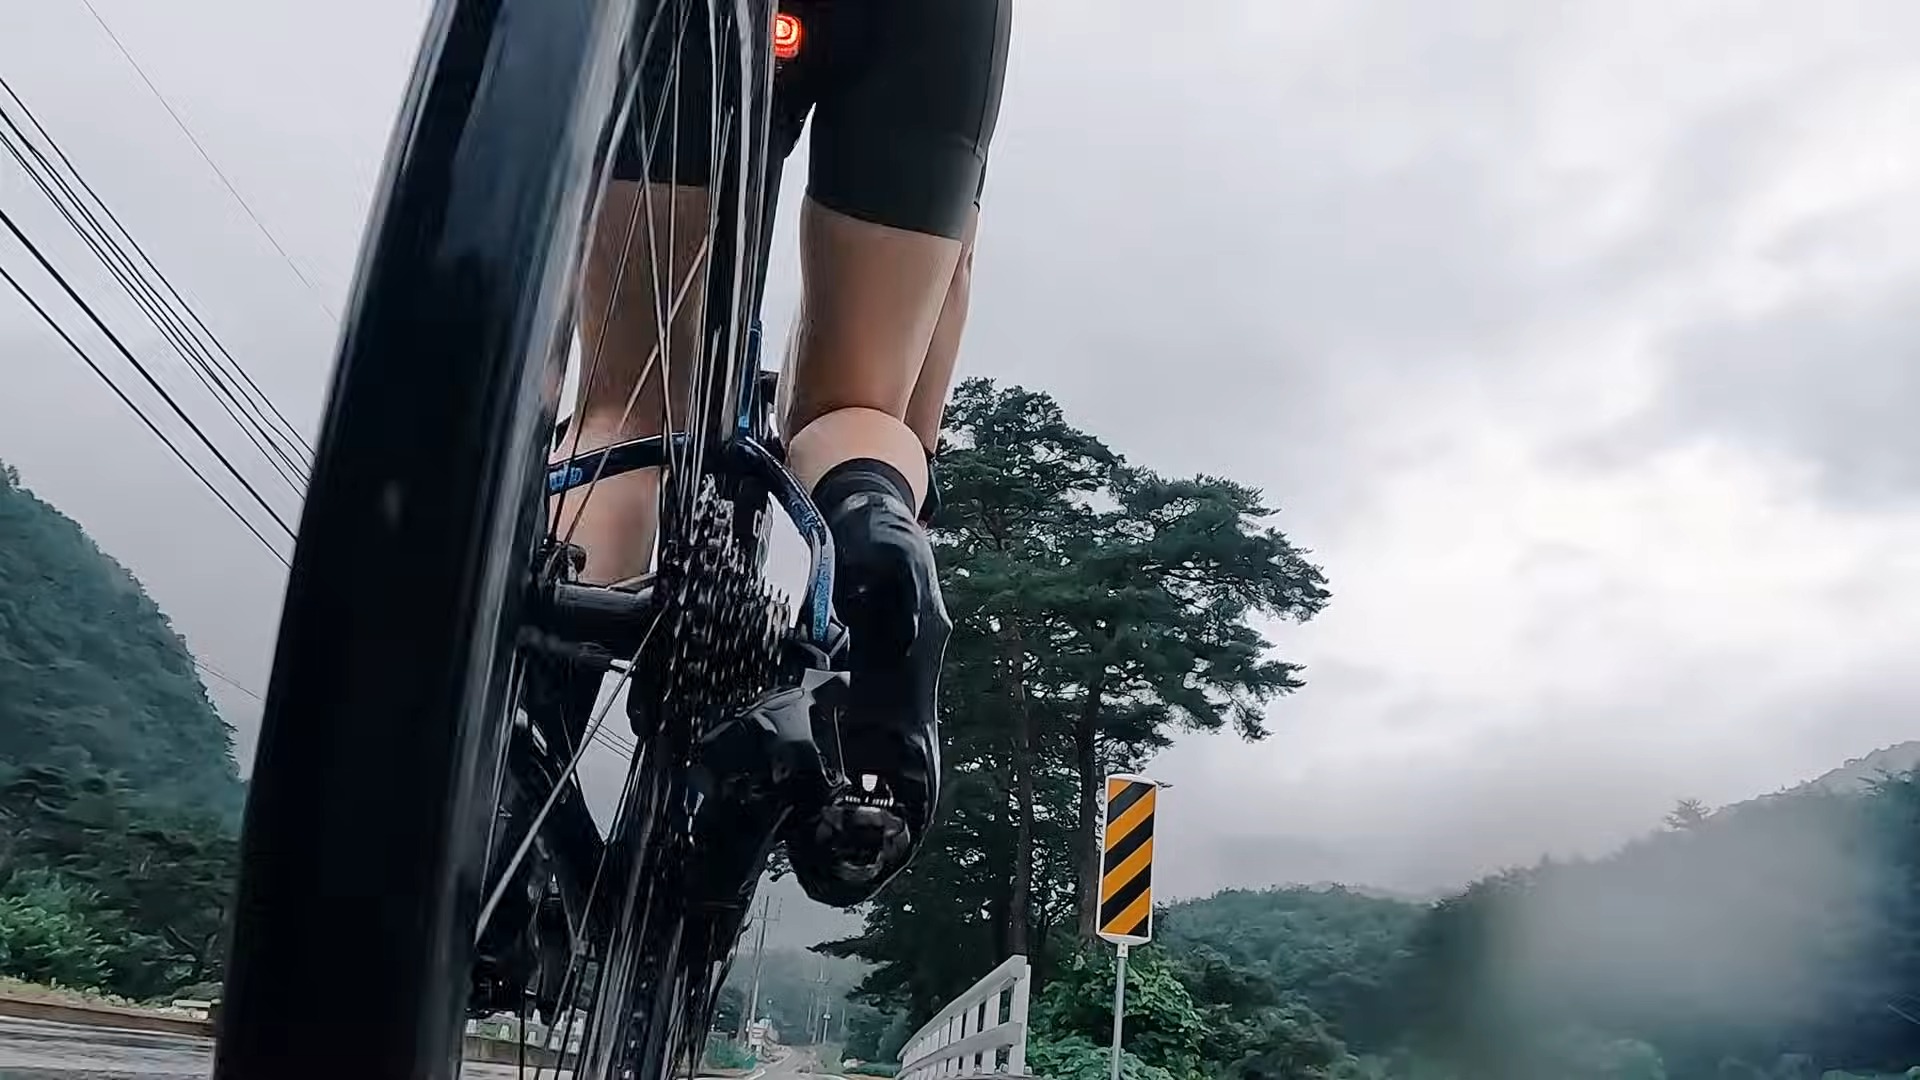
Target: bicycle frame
x=749, y=452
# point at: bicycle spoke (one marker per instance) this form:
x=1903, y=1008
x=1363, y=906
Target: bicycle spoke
x=575, y=971
x=643, y=143
x=633, y=397
x=569, y=984
x=508, y=873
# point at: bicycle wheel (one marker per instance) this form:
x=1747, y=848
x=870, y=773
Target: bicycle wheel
x=383, y=744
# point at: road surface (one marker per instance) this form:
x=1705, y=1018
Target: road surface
x=37, y=1050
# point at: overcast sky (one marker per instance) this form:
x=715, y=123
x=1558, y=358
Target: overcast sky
x=1576, y=339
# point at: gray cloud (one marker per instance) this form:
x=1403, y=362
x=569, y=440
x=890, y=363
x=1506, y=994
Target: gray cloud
x=1571, y=337
x=1829, y=382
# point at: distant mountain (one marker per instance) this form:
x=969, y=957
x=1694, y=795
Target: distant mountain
x=1258, y=860
x=119, y=798
x=1859, y=773
x=1333, y=948
x=1763, y=940
x=93, y=679
x=1771, y=938
x=1374, y=892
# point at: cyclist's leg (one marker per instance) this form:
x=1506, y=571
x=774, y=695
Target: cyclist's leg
x=628, y=395
x=898, y=156
x=898, y=151
x=871, y=297
x=626, y=381
x=929, y=400
x=655, y=199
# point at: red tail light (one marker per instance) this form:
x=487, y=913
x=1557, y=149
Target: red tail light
x=786, y=36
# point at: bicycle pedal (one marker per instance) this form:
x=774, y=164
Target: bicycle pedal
x=868, y=790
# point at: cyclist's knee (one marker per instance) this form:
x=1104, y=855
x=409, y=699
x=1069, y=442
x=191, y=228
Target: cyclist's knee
x=863, y=410
x=837, y=436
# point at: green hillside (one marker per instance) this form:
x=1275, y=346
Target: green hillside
x=1775, y=939
x=93, y=679
x=1778, y=937
x=1331, y=948
x=118, y=794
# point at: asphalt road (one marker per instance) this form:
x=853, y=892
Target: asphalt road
x=36, y=1050
x=796, y=1062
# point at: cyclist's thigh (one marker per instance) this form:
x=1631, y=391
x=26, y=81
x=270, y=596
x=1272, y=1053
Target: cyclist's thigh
x=901, y=129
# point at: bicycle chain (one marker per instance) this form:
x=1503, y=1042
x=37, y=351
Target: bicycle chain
x=724, y=626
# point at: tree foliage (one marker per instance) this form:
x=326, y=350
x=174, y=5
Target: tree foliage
x=1164, y=1027
x=93, y=679
x=1333, y=950
x=1767, y=936
x=47, y=933
x=1077, y=1057
x=118, y=793
x=1098, y=609
x=1114, y=606
x=151, y=883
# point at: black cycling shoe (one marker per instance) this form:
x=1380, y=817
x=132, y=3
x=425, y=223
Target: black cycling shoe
x=887, y=593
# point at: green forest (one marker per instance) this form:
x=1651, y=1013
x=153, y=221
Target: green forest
x=119, y=799
x=1771, y=940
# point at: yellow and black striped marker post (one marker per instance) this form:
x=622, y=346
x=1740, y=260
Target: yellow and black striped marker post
x=1126, y=883
x=1126, y=861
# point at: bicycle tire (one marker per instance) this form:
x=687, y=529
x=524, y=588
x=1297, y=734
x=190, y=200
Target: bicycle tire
x=365, y=825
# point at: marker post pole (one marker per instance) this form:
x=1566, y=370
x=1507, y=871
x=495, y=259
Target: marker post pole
x=1119, y=1008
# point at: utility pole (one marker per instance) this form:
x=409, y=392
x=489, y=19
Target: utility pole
x=751, y=1013
x=816, y=1002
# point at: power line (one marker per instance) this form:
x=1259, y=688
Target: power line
x=209, y=669
x=166, y=320
x=751, y=1013
x=284, y=426
x=208, y=158
x=170, y=328
x=60, y=279
x=137, y=411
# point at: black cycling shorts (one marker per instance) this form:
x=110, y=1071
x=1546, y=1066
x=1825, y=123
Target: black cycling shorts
x=904, y=96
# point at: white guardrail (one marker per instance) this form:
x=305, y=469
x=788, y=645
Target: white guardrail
x=973, y=1036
